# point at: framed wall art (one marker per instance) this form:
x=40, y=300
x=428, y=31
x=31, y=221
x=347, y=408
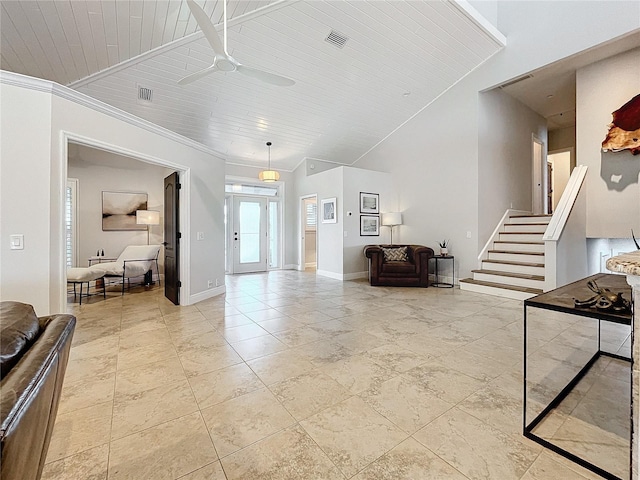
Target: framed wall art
x=329, y=210
x=369, y=202
x=119, y=210
x=369, y=225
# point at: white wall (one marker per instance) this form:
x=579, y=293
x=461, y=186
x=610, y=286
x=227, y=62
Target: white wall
x=613, y=202
x=357, y=180
x=99, y=171
x=505, y=169
x=25, y=190
x=561, y=164
x=434, y=159
x=339, y=250
x=562, y=138
x=34, y=125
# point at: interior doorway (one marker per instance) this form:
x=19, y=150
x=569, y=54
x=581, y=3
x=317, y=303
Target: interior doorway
x=560, y=161
x=308, y=232
x=539, y=204
x=107, y=167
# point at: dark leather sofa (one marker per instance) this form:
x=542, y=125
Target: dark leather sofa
x=414, y=272
x=33, y=358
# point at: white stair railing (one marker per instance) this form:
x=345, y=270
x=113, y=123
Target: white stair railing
x=565, y=239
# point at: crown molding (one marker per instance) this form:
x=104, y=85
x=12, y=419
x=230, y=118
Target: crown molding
x=47, y=86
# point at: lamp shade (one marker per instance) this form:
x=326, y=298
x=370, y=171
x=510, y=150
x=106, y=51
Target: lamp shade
x=147, y=217
x=269, y=176
x=392, y=218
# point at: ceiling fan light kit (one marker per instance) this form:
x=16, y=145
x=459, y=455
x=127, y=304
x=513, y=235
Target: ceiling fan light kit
x=269, y=175
x=222, y=61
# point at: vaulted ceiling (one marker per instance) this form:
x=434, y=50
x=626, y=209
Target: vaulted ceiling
x=399, y=55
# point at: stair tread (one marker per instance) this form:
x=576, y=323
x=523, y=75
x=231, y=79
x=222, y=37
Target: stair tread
x=521, y=233
x=526, y=276
x=519, y=243
x=516, y=252
x=546, y=215
x=527, y=224
x=518, y=264
x=536, y=291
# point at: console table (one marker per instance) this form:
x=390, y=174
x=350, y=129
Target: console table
x=562, y=300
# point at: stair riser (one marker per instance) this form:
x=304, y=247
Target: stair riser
x=519, y=247
x=525, y=228
x=520, y=237
x=514, y=294
x=517, y=257
x=501, y=267
x=529, y=219
x=520, y=282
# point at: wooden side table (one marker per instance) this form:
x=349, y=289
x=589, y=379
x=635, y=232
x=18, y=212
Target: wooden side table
x=437, y=282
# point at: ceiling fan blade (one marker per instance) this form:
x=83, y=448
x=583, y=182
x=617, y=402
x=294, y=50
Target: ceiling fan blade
x=266, y=77
x=197, y=75
x=207, y=27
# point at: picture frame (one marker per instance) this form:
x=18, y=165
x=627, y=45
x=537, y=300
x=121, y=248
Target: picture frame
x=119, y=210
x=329, y=210
x=369, y=225
x=369, y=202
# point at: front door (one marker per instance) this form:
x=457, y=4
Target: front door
x=171, y=239
x=249, y=234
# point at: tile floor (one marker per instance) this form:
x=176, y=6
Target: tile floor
x=293, y=376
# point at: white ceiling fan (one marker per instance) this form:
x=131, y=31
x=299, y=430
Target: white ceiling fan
x=223, y=61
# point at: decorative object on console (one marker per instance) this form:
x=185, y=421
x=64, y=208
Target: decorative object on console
x=148, y=218
x=444, y=247
x=604, y=300
x=119, y=210
x=624, y=131
x=369, y=225
x=369, y=202
x=391, y=219
x=329, y=211
x=269, y=175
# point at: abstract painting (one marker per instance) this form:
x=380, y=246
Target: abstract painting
x=119, y=210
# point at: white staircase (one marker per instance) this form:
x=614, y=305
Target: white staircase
x=514, y=267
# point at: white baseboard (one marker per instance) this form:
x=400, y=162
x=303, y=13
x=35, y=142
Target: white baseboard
x=291, y=266
x=325, y=273
x=209, y=293
x=355, y=276
x=341, y=277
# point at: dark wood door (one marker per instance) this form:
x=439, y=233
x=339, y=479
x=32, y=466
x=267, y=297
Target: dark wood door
x=172, y=238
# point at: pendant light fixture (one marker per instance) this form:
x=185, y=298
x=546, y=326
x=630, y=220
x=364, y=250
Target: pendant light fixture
x=269, y=175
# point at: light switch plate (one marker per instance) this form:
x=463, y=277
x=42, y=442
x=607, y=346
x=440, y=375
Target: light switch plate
x=17, y=241
x=200, y=235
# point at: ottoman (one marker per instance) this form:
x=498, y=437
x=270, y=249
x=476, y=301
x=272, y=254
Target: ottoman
x=82, y=275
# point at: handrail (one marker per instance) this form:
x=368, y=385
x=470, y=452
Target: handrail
x=565, y=205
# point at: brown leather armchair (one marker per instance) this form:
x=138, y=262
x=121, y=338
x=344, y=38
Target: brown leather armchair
x=412, y=272
x=33, y=358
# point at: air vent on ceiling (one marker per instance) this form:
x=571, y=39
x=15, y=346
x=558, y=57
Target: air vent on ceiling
x=336, y=38
x=517, y=80
x=145, y=94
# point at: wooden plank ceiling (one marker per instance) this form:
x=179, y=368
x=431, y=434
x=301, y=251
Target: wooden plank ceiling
x=399, y=56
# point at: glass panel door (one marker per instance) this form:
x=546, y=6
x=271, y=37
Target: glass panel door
x=249, y=234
